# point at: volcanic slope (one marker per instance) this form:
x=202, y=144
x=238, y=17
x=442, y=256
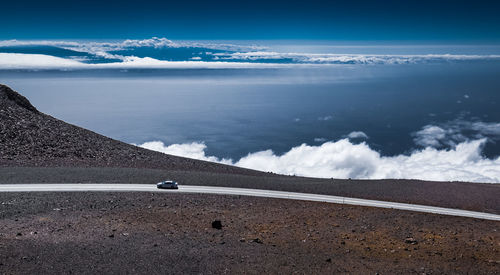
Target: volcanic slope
x=31, y=138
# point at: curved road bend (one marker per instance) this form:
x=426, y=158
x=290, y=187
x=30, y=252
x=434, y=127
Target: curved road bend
x=245, y=192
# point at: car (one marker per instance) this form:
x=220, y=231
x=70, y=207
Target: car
x=168, y=184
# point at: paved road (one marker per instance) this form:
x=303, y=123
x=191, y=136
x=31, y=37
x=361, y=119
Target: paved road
x=244, y=192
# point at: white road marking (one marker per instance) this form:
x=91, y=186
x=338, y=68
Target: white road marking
x=244, y=192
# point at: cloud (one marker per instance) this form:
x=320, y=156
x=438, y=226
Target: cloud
x=325, y=118
x=147, y=62
x=94, y=47
x=152, y=42
x=40, y=61
x=484, y=128
x=357, y=134
x=351, y=58
x=343, y=159
x=237, y=55
x=30, y=61
x=430, y=135
x=450, y=133
x=194, y=150
x=319, y=139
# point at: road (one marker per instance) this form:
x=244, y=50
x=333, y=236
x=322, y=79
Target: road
x=244, y=192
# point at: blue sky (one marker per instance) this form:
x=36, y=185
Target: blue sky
x=443, y=20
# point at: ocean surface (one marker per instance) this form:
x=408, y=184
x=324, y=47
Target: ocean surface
x=313, y=108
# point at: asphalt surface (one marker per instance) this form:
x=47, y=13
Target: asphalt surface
x=245, y=192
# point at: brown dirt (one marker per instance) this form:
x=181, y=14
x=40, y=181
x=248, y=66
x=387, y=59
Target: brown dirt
x=160, y=233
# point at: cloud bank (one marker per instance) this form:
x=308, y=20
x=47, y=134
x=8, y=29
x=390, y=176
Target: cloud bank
x=193, y=150
x=121, y=55
x=33, y=61
x=352, y=58
x=40, y=61
x=94, y=47
x=344, y=159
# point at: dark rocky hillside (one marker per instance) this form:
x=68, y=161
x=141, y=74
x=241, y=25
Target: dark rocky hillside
x=31, y=138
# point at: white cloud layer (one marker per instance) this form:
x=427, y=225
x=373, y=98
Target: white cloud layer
x=357, y=134
x=94, y=47
x=352, y=58
x=33, y=61
x=239, y=56
x=40, y=61
x=193, y=150
x=343, y=159
x=451, y=133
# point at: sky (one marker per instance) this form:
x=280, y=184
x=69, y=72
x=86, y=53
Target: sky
x=355, y=20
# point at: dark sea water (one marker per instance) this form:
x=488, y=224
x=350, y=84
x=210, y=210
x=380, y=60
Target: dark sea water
x=395, y=108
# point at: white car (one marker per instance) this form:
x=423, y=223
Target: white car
x=168, y=184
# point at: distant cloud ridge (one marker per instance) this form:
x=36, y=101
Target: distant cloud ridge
x=344, y=159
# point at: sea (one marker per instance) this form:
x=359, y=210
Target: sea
x=329, y=109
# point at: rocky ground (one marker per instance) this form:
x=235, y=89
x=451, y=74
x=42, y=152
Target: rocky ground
x=174, y=233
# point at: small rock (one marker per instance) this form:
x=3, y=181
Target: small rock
x=329, y=260
x=19, y=234
x=217, y=224
x=411, y=240
x=257, y=240
x=112, y=236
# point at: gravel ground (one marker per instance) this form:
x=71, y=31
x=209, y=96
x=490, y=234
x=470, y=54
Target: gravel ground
x=158, y=233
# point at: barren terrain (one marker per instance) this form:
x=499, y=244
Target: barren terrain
x=173, y=233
